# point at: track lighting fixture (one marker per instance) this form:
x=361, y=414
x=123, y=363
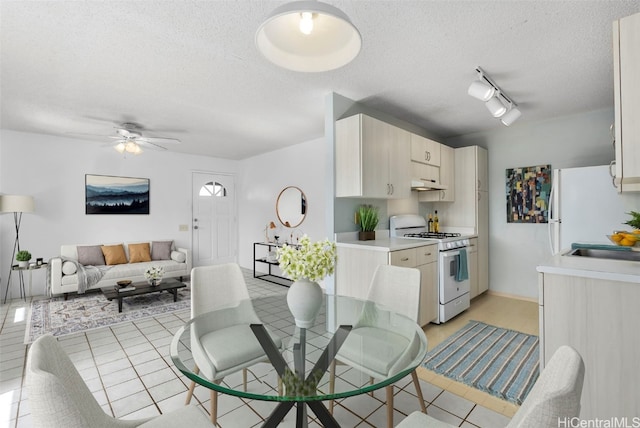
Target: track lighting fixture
x=497, y=102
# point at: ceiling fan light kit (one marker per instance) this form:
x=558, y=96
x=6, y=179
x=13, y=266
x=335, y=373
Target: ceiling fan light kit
x=128, y=147
x=497, y=102
x=308, y=36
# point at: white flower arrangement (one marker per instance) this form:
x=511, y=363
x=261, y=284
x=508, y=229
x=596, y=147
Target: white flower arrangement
x=154, y=272
x=311, y=260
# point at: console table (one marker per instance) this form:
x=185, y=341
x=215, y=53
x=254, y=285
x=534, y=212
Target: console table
x=270, y=276
x=30, y=268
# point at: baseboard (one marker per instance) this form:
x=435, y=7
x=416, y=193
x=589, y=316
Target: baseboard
x=512, y=296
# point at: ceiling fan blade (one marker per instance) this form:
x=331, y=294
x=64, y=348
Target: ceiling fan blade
x=162, y=140
x=82, y=134
x=149, y=144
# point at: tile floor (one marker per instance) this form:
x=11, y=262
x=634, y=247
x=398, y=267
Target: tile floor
x=129, y=371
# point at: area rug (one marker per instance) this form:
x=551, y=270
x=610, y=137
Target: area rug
x=501, y=362
x=92, y=310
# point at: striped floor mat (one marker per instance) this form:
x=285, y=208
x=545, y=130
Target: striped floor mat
x=504, y=363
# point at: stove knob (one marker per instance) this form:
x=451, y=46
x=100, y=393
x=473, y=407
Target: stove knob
x=448, y=245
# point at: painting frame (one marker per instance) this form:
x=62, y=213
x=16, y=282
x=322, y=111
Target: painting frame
x=528, y=190
x=112, y=194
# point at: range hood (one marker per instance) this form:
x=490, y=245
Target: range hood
x=422, y=185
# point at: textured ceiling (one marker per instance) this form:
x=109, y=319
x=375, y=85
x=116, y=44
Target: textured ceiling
x=190, y=69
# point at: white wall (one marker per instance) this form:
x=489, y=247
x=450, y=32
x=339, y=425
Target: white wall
x=578, y=140
x=53, y=169
x=261, y=180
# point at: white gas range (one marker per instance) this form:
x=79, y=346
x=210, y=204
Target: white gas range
x=453, y=268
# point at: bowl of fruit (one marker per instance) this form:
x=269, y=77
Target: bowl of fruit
x=624, y=238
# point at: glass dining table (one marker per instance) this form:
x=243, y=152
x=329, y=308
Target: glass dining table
x=296, y=374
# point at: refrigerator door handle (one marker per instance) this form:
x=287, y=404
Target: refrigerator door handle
x=552, y=223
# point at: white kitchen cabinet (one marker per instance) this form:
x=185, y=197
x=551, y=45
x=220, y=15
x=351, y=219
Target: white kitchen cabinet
x=424, y=150
x=600, y=319
x=372, y=159
x=626, y=71
x=470, y=208
x=355, y=268
x=446, y=177
x=472, y=258
x=482, y=229
x=427, y=263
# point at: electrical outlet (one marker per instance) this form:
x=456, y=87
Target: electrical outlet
x=183, y=227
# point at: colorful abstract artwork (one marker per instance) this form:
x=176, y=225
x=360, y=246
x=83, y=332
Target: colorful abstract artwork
x=105, y=194
x=528, y=190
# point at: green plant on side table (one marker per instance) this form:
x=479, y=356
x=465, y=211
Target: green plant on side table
x=368, y=220
x=23, y=257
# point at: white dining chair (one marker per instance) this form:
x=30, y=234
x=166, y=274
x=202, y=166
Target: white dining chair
x=223, y=343
x=387, y=348
x=554, y=397
x=59, y=397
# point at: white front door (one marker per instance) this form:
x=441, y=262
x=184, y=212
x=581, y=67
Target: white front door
x=214, y=219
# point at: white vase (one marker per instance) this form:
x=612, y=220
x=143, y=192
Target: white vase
x=23, y=264
x=154, y=282
x=304, y=299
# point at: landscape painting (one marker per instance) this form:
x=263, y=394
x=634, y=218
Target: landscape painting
x=528, y=191
x=106, y=194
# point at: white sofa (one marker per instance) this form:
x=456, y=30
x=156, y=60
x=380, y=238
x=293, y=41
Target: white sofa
x=178, y=266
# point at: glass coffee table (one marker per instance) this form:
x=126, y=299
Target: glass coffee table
x=170, y=285
x=306, y=354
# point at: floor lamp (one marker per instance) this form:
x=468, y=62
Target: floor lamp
x=16, y=204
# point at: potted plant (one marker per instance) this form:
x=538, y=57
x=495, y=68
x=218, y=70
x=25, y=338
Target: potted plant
x=154, y=275
x=367, y=218
x=23, y=257
x=635, y=221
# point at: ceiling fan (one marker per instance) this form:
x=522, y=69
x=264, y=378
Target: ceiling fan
x=130, y=138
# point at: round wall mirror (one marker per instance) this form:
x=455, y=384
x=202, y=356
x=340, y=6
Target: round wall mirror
x=291, y=206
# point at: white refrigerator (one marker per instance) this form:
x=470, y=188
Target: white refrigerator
x=586, y=207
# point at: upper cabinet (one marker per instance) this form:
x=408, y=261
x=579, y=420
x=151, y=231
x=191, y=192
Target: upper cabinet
x=424, y=150
x=372, y=159
x=446, y=174
x=626, y=71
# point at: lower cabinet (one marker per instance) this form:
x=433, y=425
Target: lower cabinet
x=472, y=258
x=355, y=268
x=600, y=319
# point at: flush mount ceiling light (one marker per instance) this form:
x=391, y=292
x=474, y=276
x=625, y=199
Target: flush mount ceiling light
x=496, y=101
x=308, y=36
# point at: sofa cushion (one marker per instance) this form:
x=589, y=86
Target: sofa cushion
x=139, y=253
x=161, y=250
x=178, y=256
x=69, y=268
x=90, y=255
x=114, y=254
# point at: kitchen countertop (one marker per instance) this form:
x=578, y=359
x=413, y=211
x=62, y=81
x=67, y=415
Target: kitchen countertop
x=386, y=244
x=391, y=244
x=591, y=267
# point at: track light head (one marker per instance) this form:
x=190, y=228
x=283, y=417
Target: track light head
x=496, y=107
x=481, y=90
x=511, y=116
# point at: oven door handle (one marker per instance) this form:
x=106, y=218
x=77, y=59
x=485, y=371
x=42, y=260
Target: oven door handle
x=450, y=253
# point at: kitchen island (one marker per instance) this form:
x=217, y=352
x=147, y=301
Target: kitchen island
x=591, y=304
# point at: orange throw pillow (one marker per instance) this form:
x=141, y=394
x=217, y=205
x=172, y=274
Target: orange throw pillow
x=139, y=252
x=114, y=254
